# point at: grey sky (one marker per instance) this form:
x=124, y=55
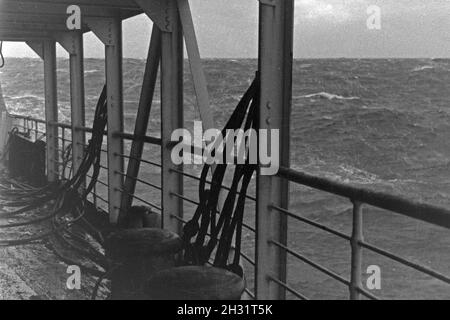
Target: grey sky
x=324, y=28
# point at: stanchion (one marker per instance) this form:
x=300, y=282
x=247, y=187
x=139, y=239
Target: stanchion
x=195, y=283
x=142, y=217
x=136, y=254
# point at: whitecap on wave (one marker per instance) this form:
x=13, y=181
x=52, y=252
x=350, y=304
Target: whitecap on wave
x=329, y=96
x=422, y=68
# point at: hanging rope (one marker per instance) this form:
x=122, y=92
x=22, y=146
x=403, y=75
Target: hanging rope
x=2, y=58
x=198, y=249
x=61, y=203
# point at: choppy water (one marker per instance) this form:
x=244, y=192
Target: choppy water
x=383, y=124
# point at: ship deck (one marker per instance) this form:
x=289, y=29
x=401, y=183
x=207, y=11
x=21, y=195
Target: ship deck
x=33, y=272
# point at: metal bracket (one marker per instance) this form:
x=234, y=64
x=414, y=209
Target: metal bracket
x=67, y=41
x=102, y=28
x=37, y=47
x=159, y=11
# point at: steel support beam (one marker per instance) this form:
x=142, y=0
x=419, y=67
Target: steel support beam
x=118, y=4
x=51, y=109
x=109, y=31
x=160, y=12
x=73, y=43
x=142, y=117
x=195, y=62
x=37, y=47
x=275, y=65
x=59, y=9
x=15, y=35
x=172, y=117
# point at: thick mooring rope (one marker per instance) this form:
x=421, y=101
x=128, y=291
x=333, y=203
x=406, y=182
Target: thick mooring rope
x=202, y=234
x=64, y=203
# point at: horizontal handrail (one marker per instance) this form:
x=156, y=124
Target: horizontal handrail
x=19, y=116
x=133, y=137
x=138, y=159
x=139, y=180
x=191, y=176
x=64, y=125
x=288, y=288
x=312, y=223
x=432, y=273
x=182, y=197
x=358, y=195
x=418, y=210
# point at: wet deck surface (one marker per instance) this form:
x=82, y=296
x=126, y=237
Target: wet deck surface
x=33, y=272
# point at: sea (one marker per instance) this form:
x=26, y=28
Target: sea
x=381, y=124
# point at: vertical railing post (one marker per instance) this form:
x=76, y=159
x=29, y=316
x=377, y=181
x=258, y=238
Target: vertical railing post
x=142, y=117
x=356, y=263
x=114, y=84
x=63, y=148
x=109, y=31
x=275, y=65
x=77, y=98
x=171, y=117
x=51, y=109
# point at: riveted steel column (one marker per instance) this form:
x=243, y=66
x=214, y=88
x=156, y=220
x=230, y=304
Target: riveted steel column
x=109, y=31
x=51, y=108
x=77, y=98
x=172, y=116
x=114, y=83
x=275, y=64
x=142, y=117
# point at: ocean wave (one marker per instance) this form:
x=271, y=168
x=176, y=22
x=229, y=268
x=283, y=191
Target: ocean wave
x=91, y=71
x=422, y=68
x=27, y=96
x=343, y=173
x=329, y=96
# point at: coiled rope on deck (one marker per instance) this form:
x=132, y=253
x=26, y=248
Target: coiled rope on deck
x=64, y=202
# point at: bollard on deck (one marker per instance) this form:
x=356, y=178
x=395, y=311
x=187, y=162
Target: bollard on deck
x=137, y=254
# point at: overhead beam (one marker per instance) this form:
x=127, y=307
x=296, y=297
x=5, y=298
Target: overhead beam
x=116, y=4
x=14, y=34
x=38, y=48
x=60, y=9
x=24, y=39
x=102, y=28
x=160, y=12
x=14, y=17
x=30, y=27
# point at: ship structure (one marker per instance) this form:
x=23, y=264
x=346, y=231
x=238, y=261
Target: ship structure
x=68, y=189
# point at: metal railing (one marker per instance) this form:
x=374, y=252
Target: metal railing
x=359, y=197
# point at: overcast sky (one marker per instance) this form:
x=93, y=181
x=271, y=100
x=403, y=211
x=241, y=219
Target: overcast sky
x=323, y=28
